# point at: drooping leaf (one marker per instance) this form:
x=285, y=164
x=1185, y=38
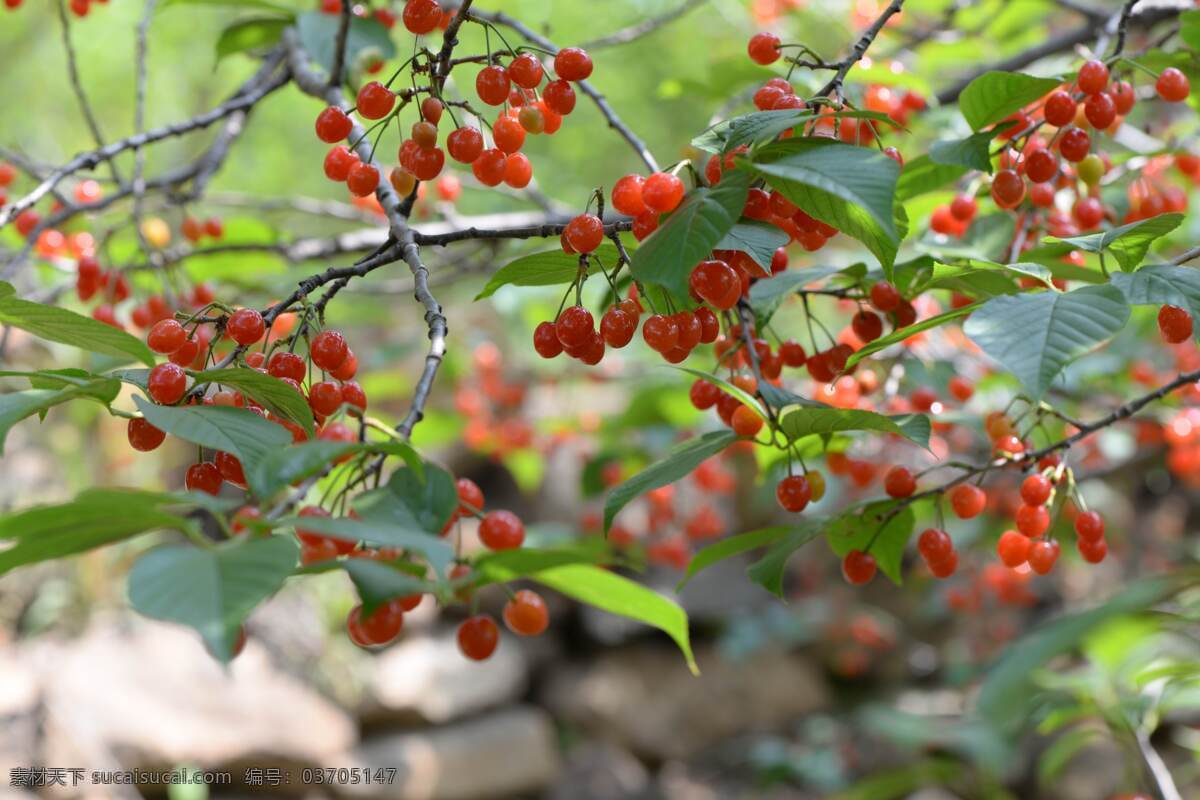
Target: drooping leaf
x=16, y=406
x=768, y=294
x=93, y=519
x=412, y=500
x=878, y=527
x=379, y=533
x=923, y=175
x=731, y=546
x=318, y=34
x=667, y=257
x=850, y=188
x=779, y=398
x=211, y=590
x=994, y=95
x=1036, y=335
x=378, y=582
x=547, y=268
x=768, y=571
x=682, y=459
x=268, y=391
x=253, y=34
x=1162, y=284
x=757, y=126
x=808, y=421
x=1127, y=243
x=899, y=335
x=234, y=430
x=285, y=465
x=973, y=152
x=66, y=327
x=757, y=239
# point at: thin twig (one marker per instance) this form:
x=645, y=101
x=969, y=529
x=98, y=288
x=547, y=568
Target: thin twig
x=85, y=106
x=339, y=48
x=834, y=86
x=643, y=28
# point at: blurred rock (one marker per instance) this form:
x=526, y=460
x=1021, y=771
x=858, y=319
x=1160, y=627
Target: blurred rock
x=933, y=793
x=644, y=697
x=502, y=754
x=425, y=679
x=601, y=771
x=149, y=695
x=1097, y=770
x=20, y=695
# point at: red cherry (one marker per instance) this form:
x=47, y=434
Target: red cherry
x=1032, y=520
x=1036, y=489
x=230, y=468
x=464, y=144
x=478, y=637
x=1074, y=145
x=885, y=297
x=1100, y=110
x=545, y=340
x=618, y=328
x=328, y=350
x=143, y=436
x=375, y=101
x=1092, y=551
x=1008, y=189
x=338, y=163
x=492, y=85
x=203, y=477
x=934, y=545
x=245, y=326
x=967, y=500
x=703, y=394
x=348, y=368
x=525, y=614
x=166, y=336
x=858, y=567
x=1059, y=109
x=422, y=16
x=662, y=192
x=518, y=171
x=763, y=48
x=526, y=71
x=490, y=167
x=470, y=497
x=793, y=493
x=963, y=208
x=283, y=364
x=572, y=64
x=584, y=233
x=1089, y=526
x=325, y=397
x=1043, y=555
x=660, y=332
x=627, y=195
x=899, y=482
x=575, y=326
x=1172, y=85
x=363, y=179
x=867, y=326
x=333, y=125
x=166, y=384
x=380, y=627
x=1013, y=548
x=353, y=394
x=1175, y=324
x=501, y=530
x=1041, y=166
x=559, y=97
x=1093, y=77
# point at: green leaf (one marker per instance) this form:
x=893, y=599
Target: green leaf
x=547, y=268
x=682, y=459
x=768, y=294
x=731, y=546
x=266, y=390
x=378, y=582
x=1008, y=689
x=767, y=572
x=987, y=239
x=667, y=257
x=1162, y=284
x=973, y=152
x=759, y=240
x=234, y=430
x=66, y=327
x=251, y=34
x=16, y=406
x=923, y=174
x=779, y=398
x=419, y=500
x=850, y=188
x=758, y=126
x=1036, y=335
x=318, y=34
x=211, y=590
x=808, y=421
x=283, y=466
x=994, y=95
x=741, y=394
x=899, y=335
x=886, y=536
x=379, y=533
x=95, y=518
x=618, y=595
x=1189, y=29
x=1128, y=243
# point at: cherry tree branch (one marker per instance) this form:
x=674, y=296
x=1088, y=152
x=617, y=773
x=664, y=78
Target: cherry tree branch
x=442, y=63
x=85, y=106
x=643, y=28
x=834, y=86
x=339, y=47
x=614, y=121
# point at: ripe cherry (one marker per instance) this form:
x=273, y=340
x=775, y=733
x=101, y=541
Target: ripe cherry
x=143, y=436
x=858, y=567
x=867, y=326
x=559, y=97
x=245, y=326
x=375, y=101
x=464, y=144
x=793, y=493
x=348, y=368
x=353, y=394
x=1059, y=109
x=1036, y=489
x=793, y=354
x=627, y=195
x=333, y=125
x=490, y=167
x=1032, y=520
x=1123, y=96
x=946, y=567
x=963, y=208
x=660, y=332
x=1172, y=85
x=203, y=477
x=422, y=16
x=1089, y=526
x=363, y=179
x=763, y=48
x=584, y=233
x=470, y=497
x=1013, y=548
x=575, y=327
x=166, y=336
x=1041, y=166
x=960, y=388
x=618, y=328
x=525, y=613
x=934, y=545
x=1093, y=77
x=325, y=397
x=1008, y=189
x=545, y=340
x=478, y=637
x=1175, y=324
x=572, y=64
x=703, y=394
x=166, y=384
x=283, y=364
x=518, y=170
x=1100, y=110
x=526, y=71
x=1043, y=555
x=899, y=482
x=501, y=530
x=1074, y=144
x=967, y=500
x=885, y=297
x=746, y=421
x=328, y=350
x=662, y=192
x=1093, y=551
x=230, y=468
x=379, y=627
x=338, y=162
x=492, y=85
x=508, y=135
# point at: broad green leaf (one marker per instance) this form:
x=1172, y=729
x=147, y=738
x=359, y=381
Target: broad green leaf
x=418, y=500
x=211, y=590
x=234, y=430
x=779, y=398
x=667, y=257
x=899, y=335
x=767, y=572
x=1008, y=689
x=95, y=518
x=506, y=565
x=268, y=391
x=877, y=528
x=318, y=34
x=973, y=152
x=547, y=268
x=923, y=175
x=66, y=327
x=16, y=406
x=251, y=34
x=1189, y=29
x=994, y=95
x=379, y=533
x=682, y=459
x=757, y=239
x=850, y=188
x=378, y=582
x=757, y=126
x=1034, y=336
x=1128, y=243
x=808, y=421
x=618, y=595
x=768, y=294
x=1162, y=284
x=731, y=546
x=283, y=466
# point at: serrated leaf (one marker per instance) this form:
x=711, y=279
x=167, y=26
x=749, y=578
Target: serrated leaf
x=1128, y=243
x=1035, y=336
x=318, y=34
x=729, y=547
x=93, y=519
x=757, y=239
x=682, y=459
x=66, y=327
x=379, y=532
x=547, y=268
x=973, y=152
x=809, y=421
x=268, y=391
x=667, y=257
x=250, y=34
x=850, y=188
x=768, y=571
x=415, y=500
x=899, y=335
x=922, y=174
x=1162, y=284
x=283, y=466
x=234, y=430
x=994, y=95
x=876, y=527
x=211, y=590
